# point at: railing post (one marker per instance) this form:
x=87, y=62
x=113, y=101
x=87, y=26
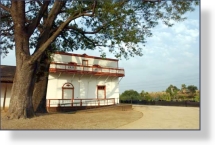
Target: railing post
x=81, y=102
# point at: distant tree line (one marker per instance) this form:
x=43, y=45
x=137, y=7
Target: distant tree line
x=172, y=93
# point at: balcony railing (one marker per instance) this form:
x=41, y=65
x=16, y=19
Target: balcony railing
x=80, y=69
x=79, y=102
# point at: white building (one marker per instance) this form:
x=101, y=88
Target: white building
x=75, y=81
x=80, y=81
x=6, y=82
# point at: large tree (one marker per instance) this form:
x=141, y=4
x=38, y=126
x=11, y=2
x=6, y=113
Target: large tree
x=48, y=26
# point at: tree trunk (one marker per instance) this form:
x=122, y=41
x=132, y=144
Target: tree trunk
x=21, y=98
x=21, y=104
x=39, y=95
x=40, y=88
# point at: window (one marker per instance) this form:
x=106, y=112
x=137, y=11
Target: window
x=85, y=62
x=72, y=65
x=101, y=92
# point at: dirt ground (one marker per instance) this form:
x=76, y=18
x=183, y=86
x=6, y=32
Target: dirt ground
x=140, y=117
x=165, y=117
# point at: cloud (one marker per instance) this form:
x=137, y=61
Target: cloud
x=188, y=54
x=170, y=54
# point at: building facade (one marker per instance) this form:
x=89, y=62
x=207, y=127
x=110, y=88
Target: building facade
x=74, y=80
x=77, y=80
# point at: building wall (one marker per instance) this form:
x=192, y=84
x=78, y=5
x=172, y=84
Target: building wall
x=85, y=87
x=8, y=93
x=78, y=59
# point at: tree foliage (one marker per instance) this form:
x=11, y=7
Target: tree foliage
x=117, y=25
x=165, y=97
x=183, y=86
x=145, y=96
x=192, y=88
x=197, y=97
x=172, y=90
x=130, y=95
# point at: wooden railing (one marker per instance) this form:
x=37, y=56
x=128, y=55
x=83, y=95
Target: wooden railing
x=72, y=68
x=79, y=102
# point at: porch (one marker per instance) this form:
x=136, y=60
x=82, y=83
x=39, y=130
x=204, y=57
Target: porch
x=66, y=105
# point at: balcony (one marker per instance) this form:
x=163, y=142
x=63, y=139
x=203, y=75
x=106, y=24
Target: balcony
x=80, y=69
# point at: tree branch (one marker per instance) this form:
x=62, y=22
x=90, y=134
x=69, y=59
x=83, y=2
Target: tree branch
x=5, y=16
x=53, y=13
x=94, y=7
x=94, y=44
x=39, y=3
x=51, y=17
x=45, y=45
x=85, y=32
x=4, y=8
x=35, y=21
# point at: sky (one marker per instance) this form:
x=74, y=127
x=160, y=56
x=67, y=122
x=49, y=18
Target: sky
x=170, y=56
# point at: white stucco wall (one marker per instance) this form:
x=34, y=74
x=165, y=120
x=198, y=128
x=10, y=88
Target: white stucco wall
x=86, y=88
x=8, y=93
x=78, y=59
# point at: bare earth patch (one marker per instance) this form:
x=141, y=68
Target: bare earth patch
x=102, y=119
x=140, y=117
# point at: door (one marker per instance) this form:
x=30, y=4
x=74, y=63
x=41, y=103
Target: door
x=101, y=93
x=67, y=94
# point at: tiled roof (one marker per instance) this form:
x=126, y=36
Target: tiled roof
x=7, y=73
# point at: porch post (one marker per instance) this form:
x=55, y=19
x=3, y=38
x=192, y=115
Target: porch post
x=5, y=93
